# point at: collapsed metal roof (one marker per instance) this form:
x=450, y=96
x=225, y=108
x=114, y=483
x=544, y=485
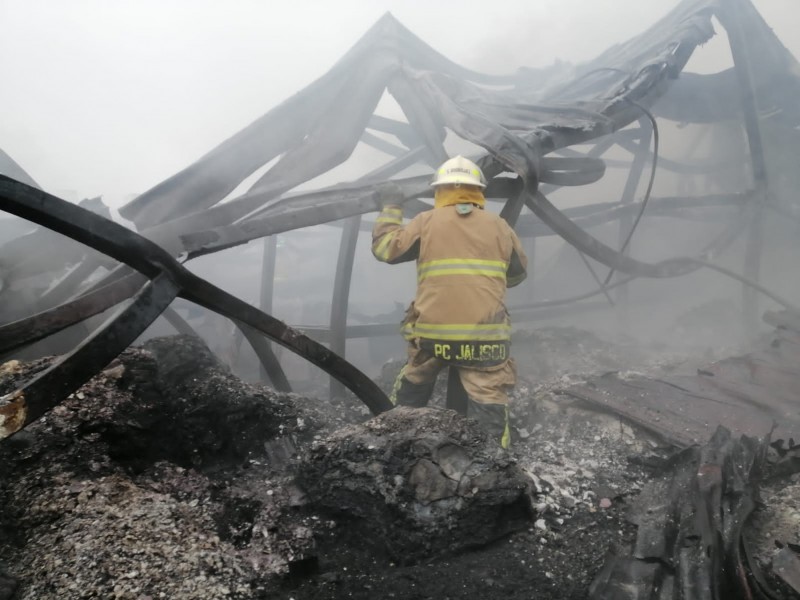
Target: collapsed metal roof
x=754, y=394
x=525, y=122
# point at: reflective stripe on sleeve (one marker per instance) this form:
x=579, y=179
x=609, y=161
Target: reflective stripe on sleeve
x=381, y=251
x=391, y=215
x=392, y=210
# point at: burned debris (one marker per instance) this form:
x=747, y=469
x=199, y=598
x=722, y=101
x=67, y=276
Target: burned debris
x=165, y=458
x=418, y=485
x=690, y=526
x=116, y=460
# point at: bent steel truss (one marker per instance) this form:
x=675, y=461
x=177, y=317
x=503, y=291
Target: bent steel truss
x=166, y=279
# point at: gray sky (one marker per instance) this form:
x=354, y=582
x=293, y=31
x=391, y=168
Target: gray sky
x=111, y=97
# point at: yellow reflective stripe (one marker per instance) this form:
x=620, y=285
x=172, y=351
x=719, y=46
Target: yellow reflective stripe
x=464, y=326
x=463, y=271
x=392, y=215
x=462, y=332
x=396, y=386
x=381, y=251
x=505, y=441
x=462, y=266
x=460, y=261
x=464, y=337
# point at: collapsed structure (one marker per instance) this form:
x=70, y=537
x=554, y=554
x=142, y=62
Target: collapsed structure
x=538, y=132
x=527, y=123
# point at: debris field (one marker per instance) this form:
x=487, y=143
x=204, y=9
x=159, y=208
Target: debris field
x=167, y=477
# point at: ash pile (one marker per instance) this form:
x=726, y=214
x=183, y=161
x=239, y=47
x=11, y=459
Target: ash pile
x=167, y=477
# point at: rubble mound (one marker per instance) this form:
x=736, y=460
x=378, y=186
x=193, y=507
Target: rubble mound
x=167, y=477
x=155, y=479
x=418, y=482
x=193, y=411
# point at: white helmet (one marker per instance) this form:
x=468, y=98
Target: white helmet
x=459, y=170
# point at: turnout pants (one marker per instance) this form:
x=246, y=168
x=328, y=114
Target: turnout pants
x=486, y=387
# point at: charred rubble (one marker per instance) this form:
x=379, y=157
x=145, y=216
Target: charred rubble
x=165, y=474
x=153, y=471
x=541, y=132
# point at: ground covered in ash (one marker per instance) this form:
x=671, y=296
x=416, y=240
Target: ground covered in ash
x=167, y=477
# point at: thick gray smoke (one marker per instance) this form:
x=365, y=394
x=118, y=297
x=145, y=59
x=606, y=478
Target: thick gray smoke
x=132, y=95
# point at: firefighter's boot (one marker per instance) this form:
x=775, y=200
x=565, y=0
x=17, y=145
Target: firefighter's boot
x=494, y=420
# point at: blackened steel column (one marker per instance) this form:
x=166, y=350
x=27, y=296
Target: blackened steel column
x=731, y=16
x=626, y=220
x=341, y=293
x=267, y=290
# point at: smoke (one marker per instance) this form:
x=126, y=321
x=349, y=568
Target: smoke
x=110, y=99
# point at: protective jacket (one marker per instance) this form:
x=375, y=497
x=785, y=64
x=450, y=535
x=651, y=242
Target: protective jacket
x=466, y=257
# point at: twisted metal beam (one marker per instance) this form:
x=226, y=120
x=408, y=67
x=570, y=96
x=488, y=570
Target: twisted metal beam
x=168, y=279
x=22, y=332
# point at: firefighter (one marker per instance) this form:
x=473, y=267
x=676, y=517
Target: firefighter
x=466, y=258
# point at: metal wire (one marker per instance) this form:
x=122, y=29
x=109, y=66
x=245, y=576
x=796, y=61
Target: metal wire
x=653, y=167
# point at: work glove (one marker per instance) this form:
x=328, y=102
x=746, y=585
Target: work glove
x=388, y=194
